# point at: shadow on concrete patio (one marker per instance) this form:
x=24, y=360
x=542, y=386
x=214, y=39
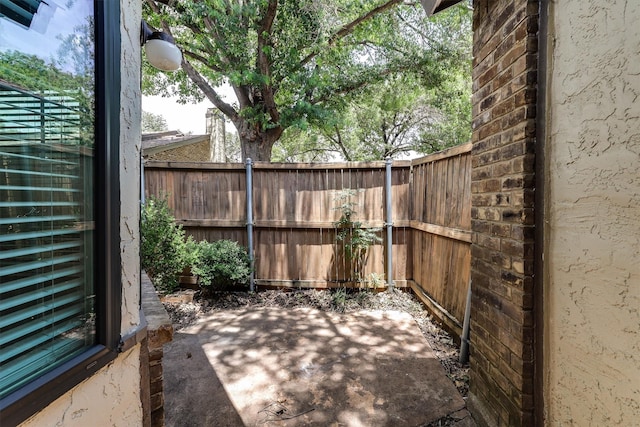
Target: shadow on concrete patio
x=286, y=367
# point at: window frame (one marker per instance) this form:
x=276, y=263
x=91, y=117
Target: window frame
x=39, y=393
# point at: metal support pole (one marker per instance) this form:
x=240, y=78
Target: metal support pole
x=142, y=197
x=389, y=223
x=249, y=163
x=464, y=339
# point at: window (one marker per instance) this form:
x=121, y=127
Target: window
x=59, y=198
x=47, y=308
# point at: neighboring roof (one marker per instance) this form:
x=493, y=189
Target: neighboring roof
x=435, y=6
x=153, y=143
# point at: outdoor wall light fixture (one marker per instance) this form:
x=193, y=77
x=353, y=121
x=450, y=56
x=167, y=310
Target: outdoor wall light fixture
x=434, y=6
x=162, y=51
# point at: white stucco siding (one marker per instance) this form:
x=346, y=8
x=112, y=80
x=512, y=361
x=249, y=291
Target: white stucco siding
x=110, y=398
x=130, y=122
x=592, y=251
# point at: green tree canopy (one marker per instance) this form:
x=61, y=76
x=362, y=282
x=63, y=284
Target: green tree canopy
x=153, y=122
x=409, y=114
x=49, y=79
x=389, y=119
x=291, y=63
x=29, y=72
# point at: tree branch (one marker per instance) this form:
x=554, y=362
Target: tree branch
x=225, y=57
x=416, y=30
x=352, y=86
x=193, y=74
x=340, y=143
x=264, y=65
x=242, y=93
x=209, y=92
x=203, y=60
x=348, y=28
x=169, y=3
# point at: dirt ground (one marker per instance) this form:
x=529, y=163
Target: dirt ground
x=307, y=357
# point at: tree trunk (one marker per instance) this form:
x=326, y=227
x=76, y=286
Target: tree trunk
x=256, y=150
x=256, y=144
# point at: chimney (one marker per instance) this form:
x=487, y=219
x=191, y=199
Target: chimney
x=216, y=130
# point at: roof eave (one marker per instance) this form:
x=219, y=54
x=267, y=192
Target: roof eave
x=434, y=6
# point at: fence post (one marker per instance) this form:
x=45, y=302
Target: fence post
x=142, y=197
x=464, y=338
x=389, y=223
x=252, y=285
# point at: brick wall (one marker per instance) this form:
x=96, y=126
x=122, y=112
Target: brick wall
x=156, y=387
x=159, y=332
x=503, y=159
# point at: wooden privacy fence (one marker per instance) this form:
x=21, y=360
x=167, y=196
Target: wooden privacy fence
x=294, y=211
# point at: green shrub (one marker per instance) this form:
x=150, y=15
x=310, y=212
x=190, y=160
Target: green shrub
x=222, y=264
x=163, y=249
x=355, y=237
x=339, y=299
x=191, y=248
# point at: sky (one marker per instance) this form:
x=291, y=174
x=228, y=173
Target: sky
x=44, y=39
x=185, y=118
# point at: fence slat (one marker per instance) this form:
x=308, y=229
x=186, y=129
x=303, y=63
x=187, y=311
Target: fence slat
x=294, y=215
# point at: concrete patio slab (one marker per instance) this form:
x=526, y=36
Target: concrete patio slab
x=304, y=367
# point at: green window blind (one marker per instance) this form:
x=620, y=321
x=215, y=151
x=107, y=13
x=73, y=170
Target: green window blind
x=46, y=234
x=20, y=11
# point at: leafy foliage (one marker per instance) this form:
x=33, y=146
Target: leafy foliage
x=163, y=248
x=73, y=55
x=291, y=63
x=355, y=237
x=452, y=97
x=70, y=74
x=47, y=79
x=387, y=120
x=222, y=264
x=32, y=73
x=153, y=122
x=165, y=252
x=404, y=115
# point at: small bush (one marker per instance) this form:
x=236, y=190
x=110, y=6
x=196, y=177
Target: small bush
x=355, y=237
x=222, y=264
x=163, y=249
x=339, y=299
x=191, y=253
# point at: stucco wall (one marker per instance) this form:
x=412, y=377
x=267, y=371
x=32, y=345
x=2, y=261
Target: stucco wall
x=111, y=397
x=130, y=146
x=592, y=251
x=108, y=398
